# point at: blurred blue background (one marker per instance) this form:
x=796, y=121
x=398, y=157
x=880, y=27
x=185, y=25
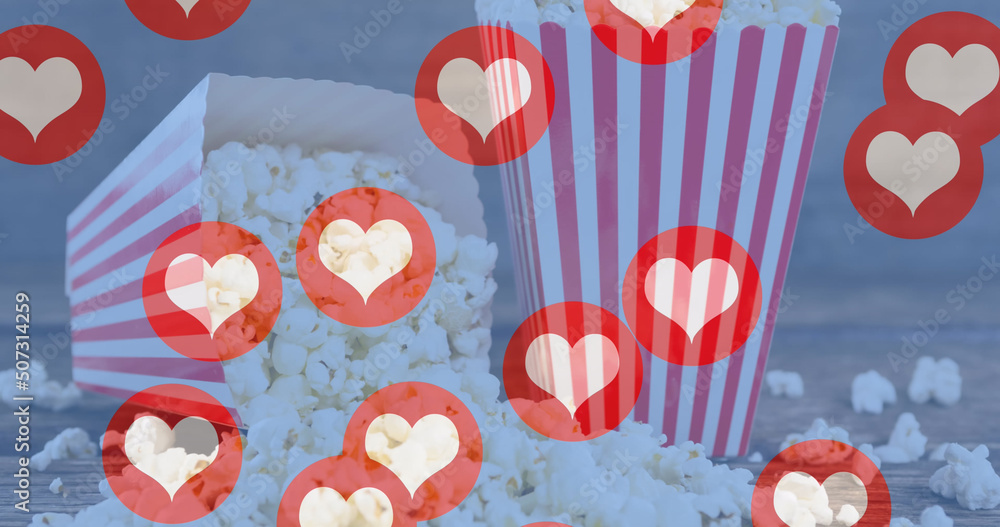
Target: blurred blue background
x=873, y=280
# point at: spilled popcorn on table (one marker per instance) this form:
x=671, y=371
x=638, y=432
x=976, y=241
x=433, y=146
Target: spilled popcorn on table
x=968, y=478
x=931, y=517
x=785, y=383
x=298, y=389
x=906, y=443
x=72, y=443
x=871, y=392
x=57, y=487
x=821, y=430
x=937, y=380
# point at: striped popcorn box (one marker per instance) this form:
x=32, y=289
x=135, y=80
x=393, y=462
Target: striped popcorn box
x=721, y=139
x=159, y=189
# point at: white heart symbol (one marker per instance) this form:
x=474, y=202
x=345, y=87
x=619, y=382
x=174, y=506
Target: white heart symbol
x=800, y=501
x=913, y=171
x=572, y=374
x=187, y=5
x=36, y=97
x=324, y=506
x=413, y=454
x=692, y=299
x=459, y=88
x=365, y=259
x=955, y=82
x=162, y=453
x=652, y=14
x=211, y=293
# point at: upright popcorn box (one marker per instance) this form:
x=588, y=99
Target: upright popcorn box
x=721, y=139
x=160, y=188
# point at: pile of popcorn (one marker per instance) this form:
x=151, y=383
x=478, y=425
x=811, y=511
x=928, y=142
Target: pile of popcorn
x=368, y=507
x=230, y=284
x=658, y=12
x=298, y=389
x=365, y=259
x=150, y=445
x=414, y=454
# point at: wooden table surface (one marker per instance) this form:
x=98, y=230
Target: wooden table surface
x=827, y=360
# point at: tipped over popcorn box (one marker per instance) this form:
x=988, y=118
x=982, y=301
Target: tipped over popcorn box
x=721, y=139
x=260, y=154
x=297, y=392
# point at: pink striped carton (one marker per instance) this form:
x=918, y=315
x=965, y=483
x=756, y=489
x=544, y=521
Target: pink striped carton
x=721, y=139
x=158, y=189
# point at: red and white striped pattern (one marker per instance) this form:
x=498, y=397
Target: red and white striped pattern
x=721, y=139
x=691, y=297
x=572, y=374
x=110, y=237
x=184, y=282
